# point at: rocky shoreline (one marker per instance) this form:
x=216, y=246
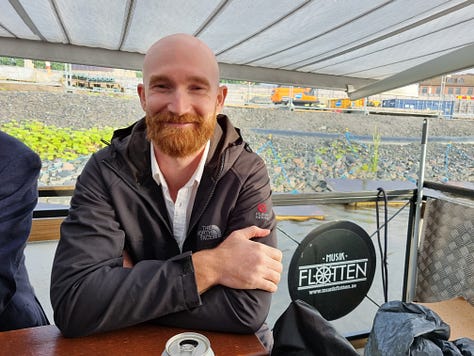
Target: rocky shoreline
x=302, y=149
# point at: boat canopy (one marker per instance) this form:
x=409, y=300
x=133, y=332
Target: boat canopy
x=362, y=47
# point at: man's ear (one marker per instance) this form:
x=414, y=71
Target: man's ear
x=221, y=95
x=141, y=95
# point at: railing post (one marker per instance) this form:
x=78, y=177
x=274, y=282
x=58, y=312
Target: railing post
x=412, y=267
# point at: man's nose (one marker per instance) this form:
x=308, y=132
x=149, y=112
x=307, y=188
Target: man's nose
x=179, y=103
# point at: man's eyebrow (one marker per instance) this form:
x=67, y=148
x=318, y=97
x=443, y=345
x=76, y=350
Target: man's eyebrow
x=158, y=78
x=199, y=80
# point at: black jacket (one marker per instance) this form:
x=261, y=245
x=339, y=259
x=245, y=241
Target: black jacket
x=19, y=170
x=117, y=205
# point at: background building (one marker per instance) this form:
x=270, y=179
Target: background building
x=451, y=86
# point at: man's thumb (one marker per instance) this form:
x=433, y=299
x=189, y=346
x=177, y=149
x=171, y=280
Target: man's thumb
x=255, y=231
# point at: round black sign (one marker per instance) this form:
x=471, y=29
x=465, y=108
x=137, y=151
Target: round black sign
x=333, y=268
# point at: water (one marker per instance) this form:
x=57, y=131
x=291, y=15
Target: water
x=39, y=257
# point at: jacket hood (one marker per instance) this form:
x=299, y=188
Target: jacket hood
x=132, y=145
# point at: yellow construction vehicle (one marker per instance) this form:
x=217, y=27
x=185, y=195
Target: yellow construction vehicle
x=297, y=96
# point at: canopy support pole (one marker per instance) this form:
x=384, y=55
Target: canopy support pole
x=412, y=270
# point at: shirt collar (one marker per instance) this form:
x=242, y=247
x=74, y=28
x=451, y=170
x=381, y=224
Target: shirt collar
x=160, y=179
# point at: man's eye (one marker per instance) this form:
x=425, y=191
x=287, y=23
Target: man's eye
x=160, y=86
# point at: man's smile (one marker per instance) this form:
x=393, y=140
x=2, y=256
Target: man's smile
x=180, y=124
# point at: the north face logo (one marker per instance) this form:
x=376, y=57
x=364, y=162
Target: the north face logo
x=209, y=232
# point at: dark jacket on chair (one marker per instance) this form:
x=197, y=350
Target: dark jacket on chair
x=19, y=170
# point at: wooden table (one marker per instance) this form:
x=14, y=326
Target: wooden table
x=145, y=339
x=458, y=314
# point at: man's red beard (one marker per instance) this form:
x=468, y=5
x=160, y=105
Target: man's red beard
x=179, y=141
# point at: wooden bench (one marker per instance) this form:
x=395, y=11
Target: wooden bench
x=45, y=229
x=46, y=223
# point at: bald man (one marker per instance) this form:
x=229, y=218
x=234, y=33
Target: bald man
x=173, y=222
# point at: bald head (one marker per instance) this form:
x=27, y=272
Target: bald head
x=181, y=48
x=181, y=76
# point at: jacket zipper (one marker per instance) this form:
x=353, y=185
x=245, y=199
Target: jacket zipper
x=221, y=169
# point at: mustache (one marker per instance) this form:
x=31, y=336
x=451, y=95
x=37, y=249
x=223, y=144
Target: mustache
x=177, y=119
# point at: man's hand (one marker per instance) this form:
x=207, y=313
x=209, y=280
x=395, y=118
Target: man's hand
x=239, y=263
x=127, y=260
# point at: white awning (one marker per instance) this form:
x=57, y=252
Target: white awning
x=364, y=47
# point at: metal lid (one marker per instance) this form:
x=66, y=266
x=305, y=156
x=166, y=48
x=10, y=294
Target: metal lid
x=188, y=343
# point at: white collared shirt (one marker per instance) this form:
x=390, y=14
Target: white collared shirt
x=179, y=212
